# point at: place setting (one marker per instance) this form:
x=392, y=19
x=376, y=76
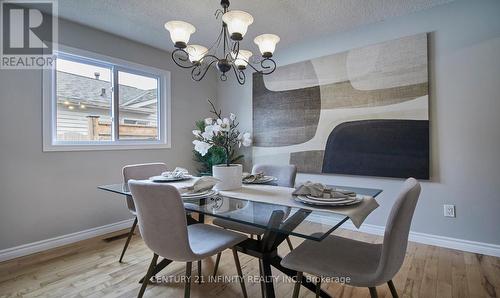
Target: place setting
x=257, y=178
x=178, y=174
x=320, y=195
x=201, y=188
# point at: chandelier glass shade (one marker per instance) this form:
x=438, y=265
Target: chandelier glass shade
x=180, y=32
x=225, y=53
x=237, y=22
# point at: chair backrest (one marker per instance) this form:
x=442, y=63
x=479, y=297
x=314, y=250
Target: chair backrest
x=285, y=173
x=162, y=219
x=397, y=230
x=141, y=172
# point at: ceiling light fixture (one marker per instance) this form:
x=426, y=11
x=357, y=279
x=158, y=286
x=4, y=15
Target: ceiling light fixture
x=225, y=52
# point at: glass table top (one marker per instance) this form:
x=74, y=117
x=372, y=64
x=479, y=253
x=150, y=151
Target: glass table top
x=300, y=222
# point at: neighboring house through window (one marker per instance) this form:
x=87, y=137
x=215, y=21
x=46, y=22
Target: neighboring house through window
x=97, y=102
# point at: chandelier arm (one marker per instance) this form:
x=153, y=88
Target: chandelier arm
x=236, y=49
x=253, y=67
x=217, y=41
x=268, y=69
x=224, y=40
x=226, y=43
x=212, y=57
x=198, y=74
x=240, y=75
x=181, y=59
x=218, y=13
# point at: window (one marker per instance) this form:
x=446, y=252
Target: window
x=97, y=102
x=138, y=99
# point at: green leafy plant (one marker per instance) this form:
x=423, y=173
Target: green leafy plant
x=222, y=133
x=214, y=156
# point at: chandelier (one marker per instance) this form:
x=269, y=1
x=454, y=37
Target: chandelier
x=225, y=52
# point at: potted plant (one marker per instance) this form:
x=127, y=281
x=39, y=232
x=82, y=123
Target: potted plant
x=222, y=133
x=214, y=156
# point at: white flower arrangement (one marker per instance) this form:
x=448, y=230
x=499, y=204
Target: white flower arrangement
x=220, y=132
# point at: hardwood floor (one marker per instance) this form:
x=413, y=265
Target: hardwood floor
x=90, y=269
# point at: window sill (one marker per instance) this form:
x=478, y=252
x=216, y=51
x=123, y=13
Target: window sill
x=104, y=147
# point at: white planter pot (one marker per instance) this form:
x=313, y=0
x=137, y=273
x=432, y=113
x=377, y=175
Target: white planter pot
x=230, y=177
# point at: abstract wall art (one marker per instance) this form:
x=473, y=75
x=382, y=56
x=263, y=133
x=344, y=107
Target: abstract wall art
x=360, y=112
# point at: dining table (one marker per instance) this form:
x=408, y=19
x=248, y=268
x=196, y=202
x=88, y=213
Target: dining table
x=273, y=209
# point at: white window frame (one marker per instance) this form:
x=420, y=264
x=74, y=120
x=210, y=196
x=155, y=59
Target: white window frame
x=49, y=104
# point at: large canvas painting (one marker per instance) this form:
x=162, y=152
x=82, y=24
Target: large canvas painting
x=359, y=112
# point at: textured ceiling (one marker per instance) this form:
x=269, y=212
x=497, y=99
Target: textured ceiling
x=294, y=21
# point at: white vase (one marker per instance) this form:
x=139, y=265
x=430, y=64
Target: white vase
x=230, y=177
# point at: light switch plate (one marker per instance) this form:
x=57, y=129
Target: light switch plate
x=449, y=210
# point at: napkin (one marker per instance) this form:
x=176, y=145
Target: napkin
x=319, y=190
x=202, y=184
x=310, y=189
x=178, y=172
x=247, y=177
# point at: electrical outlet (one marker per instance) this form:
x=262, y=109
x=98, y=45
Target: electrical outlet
x=449, y=210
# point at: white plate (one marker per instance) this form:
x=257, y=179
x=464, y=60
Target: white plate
x=163, y=179
x=202, y=194
x=305, y=200
x=265, y=179
x=189, y=194
x=331, y=199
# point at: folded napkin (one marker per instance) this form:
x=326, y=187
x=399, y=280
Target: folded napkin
x=178, y=172
x=202, y=184
x=319, y=190
x=248, y=177
x=310, y=189
x=357, y=213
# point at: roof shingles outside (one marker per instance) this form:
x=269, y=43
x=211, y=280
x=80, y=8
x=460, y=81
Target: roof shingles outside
x=89, y=91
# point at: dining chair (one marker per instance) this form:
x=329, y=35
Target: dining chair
x=366, y=264
x=286, y=177
x=138, y=172
x=286, y=174
x=164, y=228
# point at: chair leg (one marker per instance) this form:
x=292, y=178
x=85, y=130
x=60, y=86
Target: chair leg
x=289, y=243
x=318, y=287
x=393, y=289
x=217, y=260
x=128, y=239
x=148, y=275
x=240, y=273
x=261, y=272
x=187, y=285
x=199, y=271
x=373, y=292
x=298, y=282
x=262, y=286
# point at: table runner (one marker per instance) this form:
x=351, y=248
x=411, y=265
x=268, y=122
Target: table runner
x=283, y=196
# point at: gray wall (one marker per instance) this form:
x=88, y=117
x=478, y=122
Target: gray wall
x=43, y=195
x=464, y=111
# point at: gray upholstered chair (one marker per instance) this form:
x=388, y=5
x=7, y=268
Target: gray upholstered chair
x=286, y=174
x=138, y=172
x=367, y=265
x=163, y=226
